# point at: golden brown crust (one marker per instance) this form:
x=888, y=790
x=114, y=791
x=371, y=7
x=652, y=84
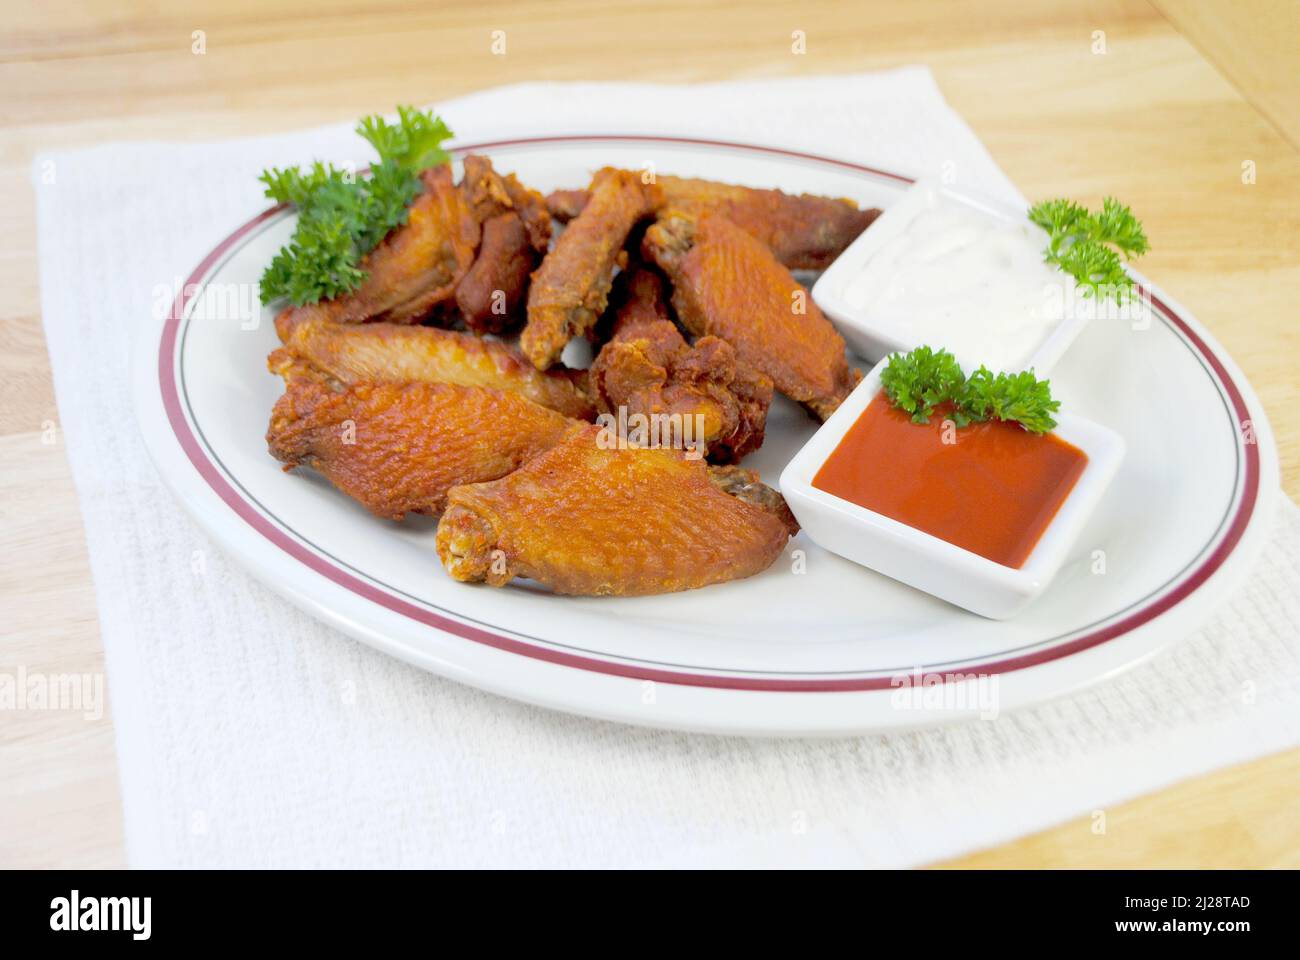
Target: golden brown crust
x=744, y=484
x=395, y=353
x=727, y=284
x=283, y=362
x=397, y=448
x=591, y=518
x=570, y=288
x=803, y=231
x=706, y=393
x=565, y=205
x=490, y=296
x=489, y=194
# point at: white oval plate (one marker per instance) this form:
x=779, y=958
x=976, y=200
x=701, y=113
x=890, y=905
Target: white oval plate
x=816, y=644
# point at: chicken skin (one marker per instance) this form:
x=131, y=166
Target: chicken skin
x=390, y=352
x=516, y=234
x=698, y=396
x=397, y=448
x=491, y=294
x=564, y=205
x=489, y=194
x=416, y=268
x=593, y=517
x=727, y=284
x=570, y=289
x=803, y=231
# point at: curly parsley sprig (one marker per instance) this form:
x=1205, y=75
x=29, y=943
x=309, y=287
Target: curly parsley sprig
x=342, y=217
x=919, y=381
x=1084, y=244
x=924, y=379
x=414, y=142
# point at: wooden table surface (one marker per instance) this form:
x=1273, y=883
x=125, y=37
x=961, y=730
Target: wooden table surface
x=1165, y=118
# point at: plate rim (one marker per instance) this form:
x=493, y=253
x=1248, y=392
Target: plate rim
x=1251, y=509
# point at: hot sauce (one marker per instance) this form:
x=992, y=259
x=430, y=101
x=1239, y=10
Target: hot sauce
x=993, y=488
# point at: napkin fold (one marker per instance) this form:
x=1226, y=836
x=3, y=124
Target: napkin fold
x=249, y=734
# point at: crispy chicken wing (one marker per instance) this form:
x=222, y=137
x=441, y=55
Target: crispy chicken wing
x=803, y=231
x=399, y=447
x=589, y=518
x=491, y=294
x=489, y=195
x=396, y=353
x=516, y=235
x=564, y=205
x=703, y=393
x=729, y=285
x=570, y=288
x=416, y=268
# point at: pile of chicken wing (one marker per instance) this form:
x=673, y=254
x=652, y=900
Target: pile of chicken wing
x=436, y=387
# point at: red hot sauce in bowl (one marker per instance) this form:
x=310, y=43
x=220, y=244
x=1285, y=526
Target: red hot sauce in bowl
x=993, y=489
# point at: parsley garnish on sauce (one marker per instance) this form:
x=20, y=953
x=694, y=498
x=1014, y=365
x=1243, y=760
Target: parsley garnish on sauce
x=919, y=381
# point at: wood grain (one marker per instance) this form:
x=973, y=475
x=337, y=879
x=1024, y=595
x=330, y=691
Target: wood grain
x=1256, y=46
x=1151, y=120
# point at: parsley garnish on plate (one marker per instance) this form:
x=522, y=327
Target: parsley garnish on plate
x=1084, y=244
x=919, y=381
x=342, y=217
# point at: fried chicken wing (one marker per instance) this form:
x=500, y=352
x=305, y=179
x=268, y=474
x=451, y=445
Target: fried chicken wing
x=564, y=205
x=397, y=448
x=639, y=300
x=416, y=268
x=489, y=195
x=729, y=285
x=685, y=395
x=570, y=289
x=803, y=231
x=491, y=293
x=590, y=518
x=390, y=352
x=516, y=234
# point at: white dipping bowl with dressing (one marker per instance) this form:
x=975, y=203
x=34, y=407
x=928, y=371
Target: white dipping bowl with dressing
x=958, y=273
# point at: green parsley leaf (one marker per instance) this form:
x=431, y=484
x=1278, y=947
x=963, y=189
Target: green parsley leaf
x=1097, y=270
x=296, y=186
x=1060, y=218
x=1117, y=225
x=389, y=193
x=1084, y=244
x=919, y=381
x=414, y=143
x=342, y=217
x=1017, y=397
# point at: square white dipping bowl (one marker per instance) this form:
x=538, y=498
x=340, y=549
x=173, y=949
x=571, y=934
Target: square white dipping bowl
x=923, y=560
x=874, y=331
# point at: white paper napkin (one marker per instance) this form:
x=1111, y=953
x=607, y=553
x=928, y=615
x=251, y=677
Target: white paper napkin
x=249, y=734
